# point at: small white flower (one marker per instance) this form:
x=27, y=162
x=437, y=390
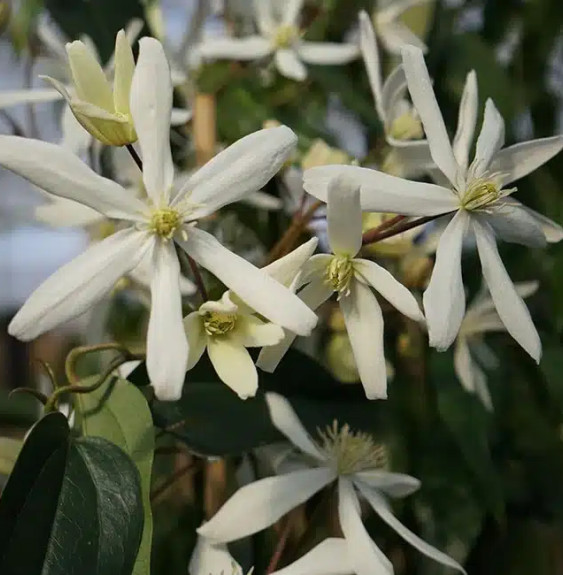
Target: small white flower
x=352, y=460
x=410, y=154
x=154, y=225
x=392, y=32
x=213, y=559
x=481, y=317
x=280, y=37
x=478, y=196
x=352, y=279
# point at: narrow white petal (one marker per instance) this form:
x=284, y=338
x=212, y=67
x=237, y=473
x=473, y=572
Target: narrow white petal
x=264, y=16
x=512, y=223
x=315, y=268
x=381, y=192
x=344, y=217
x=286, y=268
x=285, y=419
x=210, y=559
x=289, y=65
x=197, y=338
x=263, y=201
x=314, y=294
x=167, y=346
x=396, y=35
x=491, y=138
x=370, y=53
x=444, y=299
x=395, y=485
x=467, y=121
x=62, y=174
x=244, y=167
x=510, y=306
x=14, y=97
x=367, y=558
x=422, y=94
x=179, y=117
x=255, y=287
x=291, y=12
x=260, y=504
x=250, y=48
x=66, y=213
x=151, y=105
x=327, y=53
x=521, y=159
x=381, y=507
x=552, y=230
x=364, y=323
x=464, y=364
x=394, y=89
x=253, y=332
x=78, y=285
x=330, y=557
x=393, y=291
x=124, y=70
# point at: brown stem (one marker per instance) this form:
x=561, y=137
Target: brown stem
x=135, y=156
x=280, y=546
x=198, y=278
x=159, y=492
x=204, y=125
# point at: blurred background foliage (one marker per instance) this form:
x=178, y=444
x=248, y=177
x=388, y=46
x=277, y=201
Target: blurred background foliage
x=492, y=483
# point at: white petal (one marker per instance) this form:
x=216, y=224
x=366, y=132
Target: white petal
x=396, y=35
x=263, y=201
x=167, y=346
x=553, y=231
x=61, y=173
x=209, y=559
x=124, y=69
x=512, y=223
x=367, y=558
x=66, y=213
x=364, y=323
x=394, y=90
x=197, y=338
x=422, y=94
x=466, y=122
x=260, y=504
x=286, y=268
x=444, y=299
x=395, y=485
x=151, y=105
x=264, y=16
x=289, y=65
x=393, y=291
x=244, y=167
x=285, y=419
x=291, y=12
x=393, y=10
x=381, y=507
x=250, y=48
x=344, y=217
x=233, y=365
x=510, y=306
x=315, y=268
x=179, y=117
x=470, y=374
x=15, y=97
x=78, y=285
x=76, y=138
x=521, y=159
x=255, y=287
x=370, y=53
x=381, y=192
x=491, y=138
x=330, y=557
x=253, y=332
x=327, y=53
x=314, y=294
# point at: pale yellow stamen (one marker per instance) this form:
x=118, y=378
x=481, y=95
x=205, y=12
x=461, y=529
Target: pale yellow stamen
x=218, y=323
x=481, y=193
x=407, y=126
x=350, y=451
x=164, y=222
x=339, y=273
x=285, y=36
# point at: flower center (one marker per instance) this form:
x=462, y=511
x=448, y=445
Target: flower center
x=407, y=126
x=339, y=274
x=285, y=36
x=480, y=193
x=219, y=323
x=164, y=222
x=351, y=451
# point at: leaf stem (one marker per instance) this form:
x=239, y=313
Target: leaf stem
x=280, y=546
x=135, y=156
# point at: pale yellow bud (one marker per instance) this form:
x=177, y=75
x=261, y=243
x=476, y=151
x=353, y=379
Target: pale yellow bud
x=321, y=154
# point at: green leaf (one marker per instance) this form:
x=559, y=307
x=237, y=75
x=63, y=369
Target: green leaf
x=118, y=412
x=70, y=506
x=9, y=451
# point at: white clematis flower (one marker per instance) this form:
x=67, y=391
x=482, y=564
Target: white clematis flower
x=213, y=559
x=352, y=460
x=151, y=225
x=478, y=195
x=481, y=318
x=392, y=32
x=410, y=155
x=279, y=37
x=352, y=279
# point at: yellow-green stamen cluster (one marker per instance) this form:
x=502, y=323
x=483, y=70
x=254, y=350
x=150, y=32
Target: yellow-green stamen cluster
x=481, y=193
x=351, y=451
x=285, y=36
x=218, y=323
x=407, y=126
x=164, y=222
x=339, y=273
